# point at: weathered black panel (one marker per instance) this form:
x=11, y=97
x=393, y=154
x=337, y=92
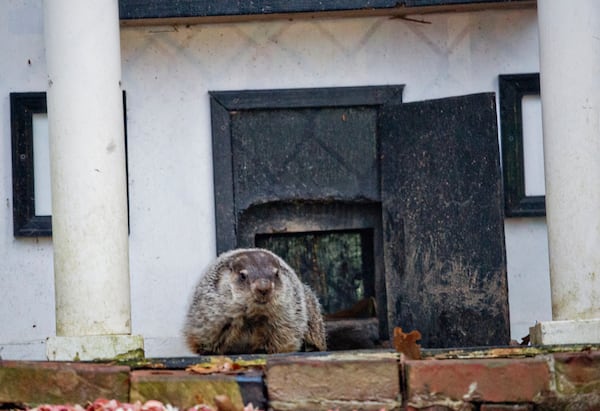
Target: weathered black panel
x=444, y=248
x=300, y=154
x=131, y=9
x=159, y=9
x=308, y=97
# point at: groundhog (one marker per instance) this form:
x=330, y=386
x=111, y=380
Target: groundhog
x=251, y=301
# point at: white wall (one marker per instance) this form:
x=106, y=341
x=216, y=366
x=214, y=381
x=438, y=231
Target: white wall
x=167, y=73
x=26, y=276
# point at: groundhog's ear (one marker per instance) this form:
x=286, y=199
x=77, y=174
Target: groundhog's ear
x=231, y=264
x=236, y=263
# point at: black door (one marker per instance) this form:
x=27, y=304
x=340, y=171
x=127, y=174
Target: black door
x=444, y=252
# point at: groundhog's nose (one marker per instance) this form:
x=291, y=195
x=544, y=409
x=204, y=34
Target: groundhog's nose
x=262, y=287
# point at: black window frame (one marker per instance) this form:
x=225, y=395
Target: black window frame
x=23, y=105
x=25, y=222
x=512, y=89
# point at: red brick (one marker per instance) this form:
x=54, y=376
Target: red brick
x=456, y=406
x=482, y=380
x=60, y=383
x=344, y=381
x=506, y=407
x=183, y=389
x=577, y=372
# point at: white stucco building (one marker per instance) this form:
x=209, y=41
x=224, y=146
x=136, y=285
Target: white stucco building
x=167, y=71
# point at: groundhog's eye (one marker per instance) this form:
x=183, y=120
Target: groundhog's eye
x=243, y=275
x=276, y=272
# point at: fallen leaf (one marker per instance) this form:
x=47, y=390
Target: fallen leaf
x=223, y=365
x=223, y=403
x=407, y=343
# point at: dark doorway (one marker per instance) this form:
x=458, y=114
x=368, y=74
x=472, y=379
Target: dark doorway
x=337, y=265
x=317, y=174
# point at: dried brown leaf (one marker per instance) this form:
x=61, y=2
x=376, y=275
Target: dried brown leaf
x=223, y=403
x=407, y=343
x=224, y=365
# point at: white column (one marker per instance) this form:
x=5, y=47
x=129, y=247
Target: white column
x=570, y=91
x=89, y=197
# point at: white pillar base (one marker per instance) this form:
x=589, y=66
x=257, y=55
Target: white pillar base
x=94, y=347
x=566, y=332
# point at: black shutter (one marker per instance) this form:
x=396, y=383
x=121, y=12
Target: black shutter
x=444, y=251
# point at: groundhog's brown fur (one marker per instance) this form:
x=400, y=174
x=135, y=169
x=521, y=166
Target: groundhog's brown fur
x=251, y=301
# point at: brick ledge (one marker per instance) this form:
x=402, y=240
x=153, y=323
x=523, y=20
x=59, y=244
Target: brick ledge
x=534, y=380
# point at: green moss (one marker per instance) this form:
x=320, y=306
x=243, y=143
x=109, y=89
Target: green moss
x=186, y=392
x=133, y=358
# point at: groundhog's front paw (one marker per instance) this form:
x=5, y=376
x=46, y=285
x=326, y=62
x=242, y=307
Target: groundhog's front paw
x=283, y=348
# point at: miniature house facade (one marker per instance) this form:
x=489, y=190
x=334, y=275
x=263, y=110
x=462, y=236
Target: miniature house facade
x=245, y=125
